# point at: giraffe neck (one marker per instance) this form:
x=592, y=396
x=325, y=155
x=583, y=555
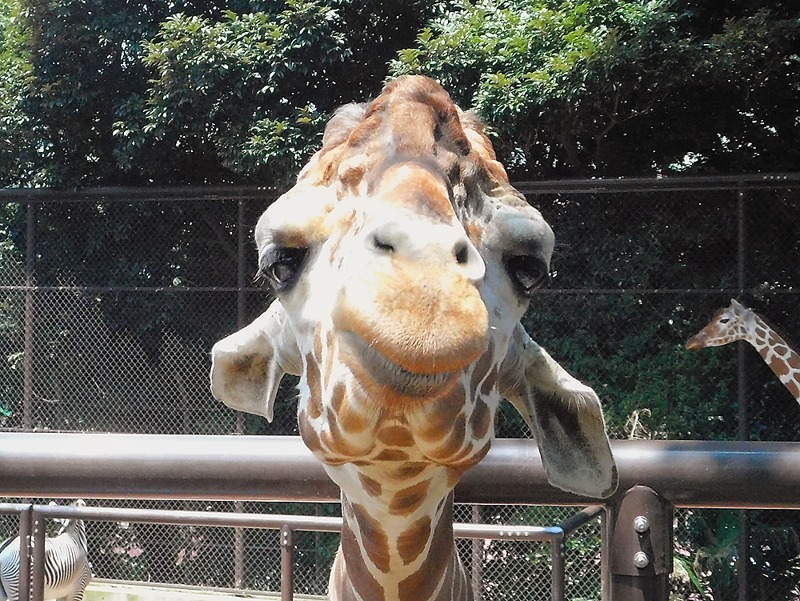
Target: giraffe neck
x=777, y=353
x=402, y=550
x=396, y=464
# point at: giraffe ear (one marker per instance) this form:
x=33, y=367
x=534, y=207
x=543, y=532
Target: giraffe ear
x=565, y=417
x=247, y=366
x=738, y=307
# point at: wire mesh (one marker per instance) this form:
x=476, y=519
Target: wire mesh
x=109, y=310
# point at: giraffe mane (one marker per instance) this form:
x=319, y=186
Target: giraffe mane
x=452, y=141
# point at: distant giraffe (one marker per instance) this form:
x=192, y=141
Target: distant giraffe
x=402, y=262
x=737, y=322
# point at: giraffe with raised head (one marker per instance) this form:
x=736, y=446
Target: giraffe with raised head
x=738, y=322
x=402, y=262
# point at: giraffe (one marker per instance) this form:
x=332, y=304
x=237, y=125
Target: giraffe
x=402, y=262
x=738, y=322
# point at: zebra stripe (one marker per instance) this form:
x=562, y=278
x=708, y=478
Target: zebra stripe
x=67, y=570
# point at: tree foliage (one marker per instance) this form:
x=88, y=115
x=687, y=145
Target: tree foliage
x=618, y=87
x=191, y=91
x=199, y=91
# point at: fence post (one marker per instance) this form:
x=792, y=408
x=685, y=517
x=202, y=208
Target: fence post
x=30, y=250
x=39, y=527
x=25, y=527
x=477, y=557
x=639, y=533
x=241, y=321
x=742, y=544
x=558, y=578
x=287, y=563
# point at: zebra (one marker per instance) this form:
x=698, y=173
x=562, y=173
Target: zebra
x=67, y=570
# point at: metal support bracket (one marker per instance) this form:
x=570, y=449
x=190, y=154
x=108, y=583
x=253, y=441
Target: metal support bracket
x=640, y=546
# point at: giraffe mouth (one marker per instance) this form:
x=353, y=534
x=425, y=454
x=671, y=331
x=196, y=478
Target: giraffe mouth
x=380, y=370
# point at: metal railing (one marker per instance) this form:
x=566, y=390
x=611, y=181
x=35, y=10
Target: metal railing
x=280, y=468
x=669, y=473
x=32, y=535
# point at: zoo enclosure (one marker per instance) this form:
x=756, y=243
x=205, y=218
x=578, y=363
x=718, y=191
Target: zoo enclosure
x=112, y=298
x=689, y=473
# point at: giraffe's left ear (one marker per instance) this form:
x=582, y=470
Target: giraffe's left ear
x=247, y=366
x=565, y=417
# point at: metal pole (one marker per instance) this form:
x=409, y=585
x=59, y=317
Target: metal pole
x=605, y=554
x=477, y=558
x=558, y=577
x=238, y=506
x=25, y=528
x=27, y=394
x=37, y=567
x=742, y=544
x=241, y=283
x=640, y=546
x=287, y=563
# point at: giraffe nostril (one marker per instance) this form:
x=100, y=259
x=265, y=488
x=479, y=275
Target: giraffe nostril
x=381, y=244
x=462, y=253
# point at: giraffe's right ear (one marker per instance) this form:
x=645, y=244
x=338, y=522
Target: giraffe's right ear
x=565, y=417
x=247, y=366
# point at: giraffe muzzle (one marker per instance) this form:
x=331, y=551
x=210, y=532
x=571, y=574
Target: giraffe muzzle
x=426, y=326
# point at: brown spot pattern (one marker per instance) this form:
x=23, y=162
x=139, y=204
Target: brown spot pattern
x=422, y=583
x=414, y=539
x=490, y=381
x=395, y=436
x=482, y=368
x=779, y=366
x=409, y=499
x=391, y=455
x=794, y=361
x=314, y=388
x=794, y=387
x=441, y=418
x=454, y=442
x=479, y=420
x=409, y=470
x=364, y=583
x=371, y=486
x=374, y=539
x=337, y=442
x=350, y=419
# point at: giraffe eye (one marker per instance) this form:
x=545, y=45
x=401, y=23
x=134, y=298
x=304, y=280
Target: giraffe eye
x=281, y=266
x=724, y=320
x=527, y=273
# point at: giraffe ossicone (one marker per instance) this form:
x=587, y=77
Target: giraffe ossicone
x=738, y=322
x=403, y=261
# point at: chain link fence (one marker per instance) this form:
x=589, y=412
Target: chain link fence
x=111, y=300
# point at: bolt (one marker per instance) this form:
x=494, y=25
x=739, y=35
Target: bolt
x=640, y=560
x=641, y=524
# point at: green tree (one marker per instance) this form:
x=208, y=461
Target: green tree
x=108, y=92
x=17, y=137
x=618, y=87
x=246, y=95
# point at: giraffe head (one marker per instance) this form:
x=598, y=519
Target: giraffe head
x=727, y=325
x=402, y=261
